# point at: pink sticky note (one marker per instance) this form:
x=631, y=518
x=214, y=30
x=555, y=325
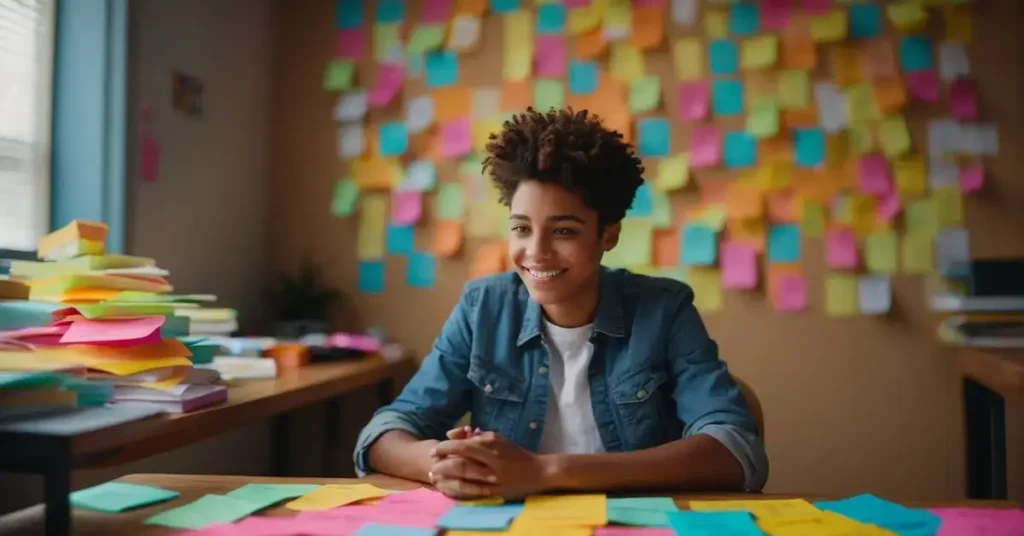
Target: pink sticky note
x=351, y=44
x=739, y=266
x=790, y=293
x=873, y=175
x=406, y=207
x=435, y=11
x=549, y=59
x=923, y=85
x=633, y=531
x=774, y=15
x=816, y=6
x=387, y=85
x=149, y=159
x=119, y=332
x=841, y=249
x=887, y=206
x=456, y=138
x=987, y=521
x=705, y=146
x=972, y=178
x=693, y=100
x=963, y=99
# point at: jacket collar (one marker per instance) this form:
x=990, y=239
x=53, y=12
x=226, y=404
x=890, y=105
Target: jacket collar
x=608, y=319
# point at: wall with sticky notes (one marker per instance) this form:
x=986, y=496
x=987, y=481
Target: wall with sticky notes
x=810, y=163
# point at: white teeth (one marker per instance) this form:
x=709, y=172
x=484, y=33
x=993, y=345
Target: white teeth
x=546, y=274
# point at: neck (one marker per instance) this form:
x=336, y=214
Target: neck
x=577, y=311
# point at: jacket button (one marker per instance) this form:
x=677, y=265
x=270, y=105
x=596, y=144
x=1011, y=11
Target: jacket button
x=488, y=388
x=543, y=370
x=533, y=425
x=641, y=393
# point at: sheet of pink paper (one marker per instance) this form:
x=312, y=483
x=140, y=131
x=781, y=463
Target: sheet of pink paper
x=149, y=159
x=705, y=146
x=576, y=3
x=972, y=178
x=963, y=99
x=693, y=100
x=790, y=293
x=975, y=521
x=887, y=206
x=739, y=266
x=841, y=249
x=873, y=175
x=387, y=85
x=549, y=59
x=774, y=15
x=816, y=7
x=456, y=138
x=406, y=207
x=350, y=44
x=632, y=531
x=923, y=85
x=118, y=332
x=435, y=11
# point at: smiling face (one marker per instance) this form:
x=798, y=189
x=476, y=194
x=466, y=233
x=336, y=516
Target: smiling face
x=555, y=244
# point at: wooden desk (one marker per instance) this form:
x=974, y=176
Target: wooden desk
x=191, y=487
x=990, y=378
x=55, y=457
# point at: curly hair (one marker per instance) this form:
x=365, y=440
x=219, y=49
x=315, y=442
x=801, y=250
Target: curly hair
x=572, y=149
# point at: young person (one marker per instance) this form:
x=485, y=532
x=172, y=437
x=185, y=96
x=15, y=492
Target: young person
x=577, y=377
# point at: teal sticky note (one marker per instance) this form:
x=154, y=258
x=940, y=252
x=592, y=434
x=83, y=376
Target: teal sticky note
x=731, y=523
x=207, y=510
x=399, y=239
x=442, y=68
x=743, y=19
x=348, y=15
x=370, y=278
x=727, y=97
x=504, y=6
x=699, y=247
x=739, y=149
x=392, y=139
x=916, y=53
x=865, y=21
x=582, y=77
x=389, y=11
x=784, y=243
x=419, y=270
x=550, y=19
x=270, y=494
x=654, y=137
x=643, y=202
x=115, y=497
x=723, y=57
x=900, y=519
x=809, y=146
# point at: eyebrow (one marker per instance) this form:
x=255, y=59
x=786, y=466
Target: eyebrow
x=555, y=218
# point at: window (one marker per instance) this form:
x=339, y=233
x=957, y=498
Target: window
x=26, y=84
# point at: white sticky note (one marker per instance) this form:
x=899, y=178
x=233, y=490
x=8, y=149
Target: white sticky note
x=952, y=250
x=953, y=62
x=351, y=106
x=831, y=107
x=464, y=32
x=350, y=141
x=486, y=102
x=419, y=113
x=943, y=173
x=420, y=176
x=684, y=12
x=874, y=294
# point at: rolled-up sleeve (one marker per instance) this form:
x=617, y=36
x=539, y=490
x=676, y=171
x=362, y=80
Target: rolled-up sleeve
x=437, y=396
x=708, y=399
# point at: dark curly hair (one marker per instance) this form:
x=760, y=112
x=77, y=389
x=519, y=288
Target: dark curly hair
x=572, y=149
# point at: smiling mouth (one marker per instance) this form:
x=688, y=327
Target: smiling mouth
x=544, y=275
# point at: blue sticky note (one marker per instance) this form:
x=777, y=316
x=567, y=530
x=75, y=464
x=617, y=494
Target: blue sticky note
x=419, y=270
x=643, y=202
x=723, y=57
x=392, y=139
x=550, y=19
x=916, y=53
x=739, y=149
x=399, y=239
x=784, y=243
x=867, y=508
x=504, y=6
x=865, y=21
x=479, y=517
x=731, y=523
x=380, y=529
x=654, y=136
x=371, y=277
x=388, y=11
x=743, y=19
x=348, y=15
x=582, y=77
x=699, y=245
x=727, y=97
x=442, y=68
x=809, y=146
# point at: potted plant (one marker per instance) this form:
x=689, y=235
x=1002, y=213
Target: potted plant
x=302, y=303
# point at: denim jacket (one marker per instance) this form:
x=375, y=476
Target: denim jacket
x=655, y=375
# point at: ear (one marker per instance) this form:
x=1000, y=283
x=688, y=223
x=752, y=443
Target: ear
x=610, y=236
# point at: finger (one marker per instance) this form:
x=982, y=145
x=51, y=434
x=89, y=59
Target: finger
x=467, y=449
x=462, y=489
x=460, y=468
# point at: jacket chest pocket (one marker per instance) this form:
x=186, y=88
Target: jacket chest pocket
x=498, y=400
x=640, y=400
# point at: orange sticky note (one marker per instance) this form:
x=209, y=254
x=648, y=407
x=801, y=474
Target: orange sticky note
x=590, y=45
x=451, y=103
x=798, y=52
x=447, y=239
x=846, y=64
x=666, y=247
x=648, y=27
x=516, y=96
x=489, y=259
x=890, y=95
x=743, y=202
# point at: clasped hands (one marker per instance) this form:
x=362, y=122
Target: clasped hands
x=473, y=464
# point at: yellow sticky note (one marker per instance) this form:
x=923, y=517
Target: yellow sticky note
x=372, y=227
x=881, y=252
x=626, y=63
x=907, y=15
x=830, y=28
x=761, y=52
x=688, y=55
x=958, y=22
x=673, y=173
x=587, y=510
x=860, y=139
x=949, y=206
x=584, y=19
x=707, y=288
x=517, y=45
x=919, y=217
x=840, y=295
x=911, y=176
x=335, y=495
x=716, y=24
x=794, y=89
x=812, y=219
x=860, y=104
x=767, y=508
x=917, y=253
x=763, y=118
x=636, y=244
x=894, y=136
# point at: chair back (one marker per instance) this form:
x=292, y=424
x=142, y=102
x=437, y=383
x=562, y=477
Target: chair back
x=753, y=404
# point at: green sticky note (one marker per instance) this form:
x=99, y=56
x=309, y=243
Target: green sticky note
x=115, y=497
x=763, y=119
x=346, y=193
x=548, y=94
x=644, y=94
x=448, y=205
x=338, y=75
x=794, y=89
x=207, y=510
x=270, y=494
x=882, y=252
x=426, y=37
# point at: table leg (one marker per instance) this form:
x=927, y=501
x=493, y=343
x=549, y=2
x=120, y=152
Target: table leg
x=332, y=438
x=280, y=444
x=985, y=426
x=56, y=488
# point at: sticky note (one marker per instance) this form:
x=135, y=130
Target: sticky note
x=829, y=28
x=867, y=508
x=644, y=94
x=399, y=239
x=705, y=146
x=699, y=245
x=582, y=77
x=809, y=146
x=688, y=57
x=739, y=150
x=743, y=19
x=865, y=21
x=881, y=252
x=724, y=59
x=763, y=118
x=115, y=497
x=587, y=510
x=873, y=175
x=673, y=173
x=916, y=53
x=205, y=511
x=783, y=243
x=449, y=202
x=654, y=137
x=479, y=517
x=442, y=68
x=727, y=97
x=550, y=19
x=626, y=63
x=343, y=200
x=732, y=523
x=760, y=52
x=738, y=266
x=338, y=75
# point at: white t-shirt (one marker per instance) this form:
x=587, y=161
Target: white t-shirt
x=569, y=427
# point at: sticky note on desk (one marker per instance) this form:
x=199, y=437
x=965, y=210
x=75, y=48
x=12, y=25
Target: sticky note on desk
x=713, y=523
x=207, y=510
x=479, y=517
x=270, y=494
x=119, y=496
x=589, y=510
x=335, y=495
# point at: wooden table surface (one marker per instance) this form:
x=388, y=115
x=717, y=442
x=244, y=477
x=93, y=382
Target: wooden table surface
x=191, y=487
x=1000, y=370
